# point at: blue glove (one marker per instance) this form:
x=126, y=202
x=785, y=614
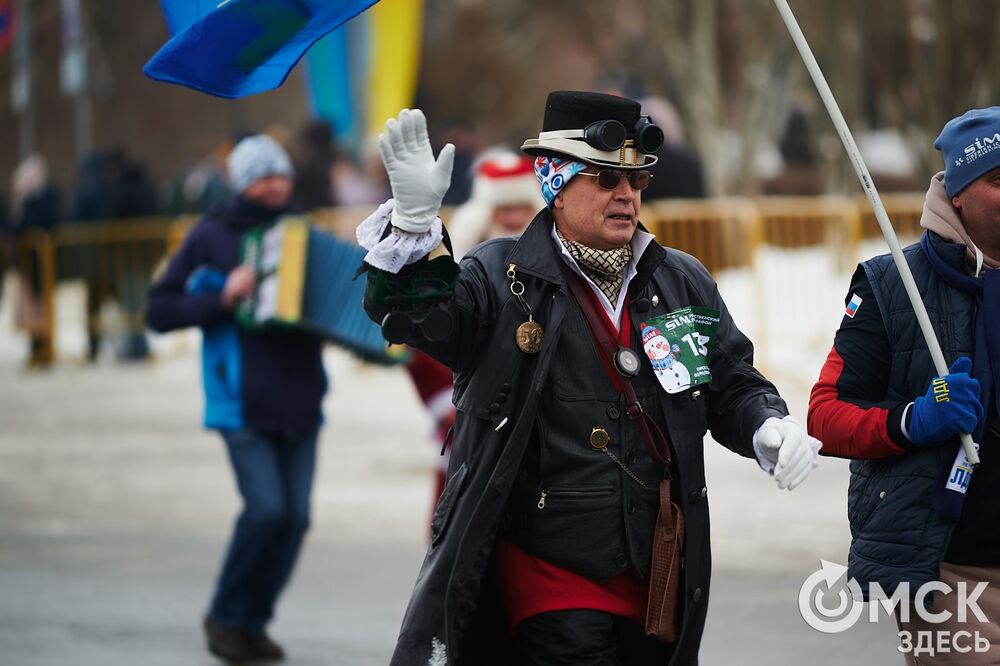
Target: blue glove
x=951, y=406
x=205, y=280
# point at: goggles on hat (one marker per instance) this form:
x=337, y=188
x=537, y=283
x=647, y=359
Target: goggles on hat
x=609, y=178
x=611, y=135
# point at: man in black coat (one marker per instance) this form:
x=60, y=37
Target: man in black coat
x=565, y=443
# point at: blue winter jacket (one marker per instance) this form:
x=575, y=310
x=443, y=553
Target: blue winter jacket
x=879, y=363
x=270, y=380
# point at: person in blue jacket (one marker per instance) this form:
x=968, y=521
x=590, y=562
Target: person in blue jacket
x=263, y=393
x=919, y=515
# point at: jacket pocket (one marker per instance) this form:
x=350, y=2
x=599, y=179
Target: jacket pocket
x=447, y=500
x=893, y=516
x=572, y=494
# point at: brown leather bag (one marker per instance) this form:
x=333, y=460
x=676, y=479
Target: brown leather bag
x=665, y=570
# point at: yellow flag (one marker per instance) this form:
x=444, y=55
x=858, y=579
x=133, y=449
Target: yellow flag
x=395, y=39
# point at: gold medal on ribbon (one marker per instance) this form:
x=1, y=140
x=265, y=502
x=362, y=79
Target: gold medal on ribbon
x=529, y=336
x=599, y=438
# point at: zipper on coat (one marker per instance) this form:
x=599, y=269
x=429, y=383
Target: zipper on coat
x=573, y=492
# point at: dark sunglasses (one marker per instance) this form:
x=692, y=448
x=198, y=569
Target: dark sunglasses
x=609, y=178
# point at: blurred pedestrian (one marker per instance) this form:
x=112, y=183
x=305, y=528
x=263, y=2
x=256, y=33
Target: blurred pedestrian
x=263, y=392
x=6, y=242
x=112, y=186
x=314, y=166
x=505, y=198
x=801, y=173
x=364, y=183
x=133, y=197
x=918, y=512
x=679, y=173
x=34, y=208
x=468, y=145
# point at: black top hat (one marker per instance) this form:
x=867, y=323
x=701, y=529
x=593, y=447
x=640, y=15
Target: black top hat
x=598, y=129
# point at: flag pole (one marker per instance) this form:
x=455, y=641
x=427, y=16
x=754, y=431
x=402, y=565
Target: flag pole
x=876, y=202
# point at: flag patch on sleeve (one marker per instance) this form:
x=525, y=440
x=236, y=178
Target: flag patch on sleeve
x=852, y=307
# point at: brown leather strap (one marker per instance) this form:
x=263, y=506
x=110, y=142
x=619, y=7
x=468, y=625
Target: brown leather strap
x=655, y=442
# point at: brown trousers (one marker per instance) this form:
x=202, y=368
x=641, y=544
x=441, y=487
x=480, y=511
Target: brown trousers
x=988, y=601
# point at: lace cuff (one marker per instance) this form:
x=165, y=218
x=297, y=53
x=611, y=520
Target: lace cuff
x=400, y=247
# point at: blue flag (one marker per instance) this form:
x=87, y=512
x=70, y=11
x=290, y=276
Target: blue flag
x=182, y=13
x=242, y=47
x=330, y=70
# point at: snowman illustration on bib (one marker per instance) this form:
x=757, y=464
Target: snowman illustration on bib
x=665, y=358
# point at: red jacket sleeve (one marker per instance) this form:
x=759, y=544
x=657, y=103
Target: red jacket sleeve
x=848, y=409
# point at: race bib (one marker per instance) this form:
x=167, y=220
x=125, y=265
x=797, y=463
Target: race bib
x=679, y=345
x=961, y=472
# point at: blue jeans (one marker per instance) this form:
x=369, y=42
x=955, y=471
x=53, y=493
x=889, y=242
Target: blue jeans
x=274, y=475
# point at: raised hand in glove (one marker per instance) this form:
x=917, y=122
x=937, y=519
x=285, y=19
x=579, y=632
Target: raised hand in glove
x=785, y=451
x=950, y=406
x=418, y=181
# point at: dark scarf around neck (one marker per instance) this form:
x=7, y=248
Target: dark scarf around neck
x=986, y=289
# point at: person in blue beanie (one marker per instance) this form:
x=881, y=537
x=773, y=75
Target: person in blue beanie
x=918, y=513
x=263, y=391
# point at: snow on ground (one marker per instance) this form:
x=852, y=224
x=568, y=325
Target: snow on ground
x=86, y=449
x=113, y=499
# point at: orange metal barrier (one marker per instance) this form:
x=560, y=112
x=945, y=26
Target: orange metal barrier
x=116, y=259
x=831, y=222
x=721, y=233
x=904, y=210
x=34, y=258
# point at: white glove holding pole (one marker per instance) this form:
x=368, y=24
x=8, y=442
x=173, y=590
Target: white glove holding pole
x=418, y=181
x=786, y=451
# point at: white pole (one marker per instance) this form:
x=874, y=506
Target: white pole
x=75, y=74
x=22, y=90
x=883, y=218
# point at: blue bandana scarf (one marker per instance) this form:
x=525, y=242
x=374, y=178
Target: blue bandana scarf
x=553, y=173
x=986, y=290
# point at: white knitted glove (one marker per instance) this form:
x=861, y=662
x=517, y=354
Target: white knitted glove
x=786, y=451
x=418, y=181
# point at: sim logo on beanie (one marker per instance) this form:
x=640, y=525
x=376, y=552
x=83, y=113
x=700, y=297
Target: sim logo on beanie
x=971, y=147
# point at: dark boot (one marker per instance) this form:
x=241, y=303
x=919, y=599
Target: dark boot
x=227, y=643
x=264, y=647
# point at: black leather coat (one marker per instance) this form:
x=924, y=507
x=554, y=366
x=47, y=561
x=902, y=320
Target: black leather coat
x=453, y=616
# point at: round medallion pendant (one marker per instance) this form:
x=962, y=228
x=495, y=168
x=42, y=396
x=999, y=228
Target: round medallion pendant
x=599, y=438
x=529, y=337
x=627, y=362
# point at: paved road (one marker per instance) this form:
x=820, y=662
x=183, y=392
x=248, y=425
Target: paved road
x=114, y=508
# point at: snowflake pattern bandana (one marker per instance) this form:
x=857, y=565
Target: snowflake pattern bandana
x=605, y=268
x=553, y=173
